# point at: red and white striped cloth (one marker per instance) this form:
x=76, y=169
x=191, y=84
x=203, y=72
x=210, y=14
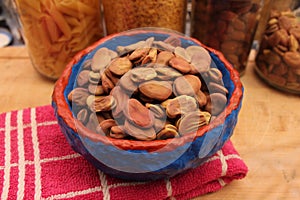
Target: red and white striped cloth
x=36, y=162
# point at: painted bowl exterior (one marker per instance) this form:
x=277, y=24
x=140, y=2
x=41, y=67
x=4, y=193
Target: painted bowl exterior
x=159, y=158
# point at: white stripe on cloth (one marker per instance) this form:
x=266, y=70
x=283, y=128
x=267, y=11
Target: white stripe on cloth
x=102, y=189
x=36, y=151
x=231, y=156
x=228, y=157
x=223, y=162
x=105, y=188
x=21, y=167
x=7, y=158
x=46, y=160
x=221, y=181
x=224, y=165
x=169, y=189
x=73, y=194
x=49, y=123
x=126, y=184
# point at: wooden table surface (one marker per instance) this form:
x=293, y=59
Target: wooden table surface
x=267, y=134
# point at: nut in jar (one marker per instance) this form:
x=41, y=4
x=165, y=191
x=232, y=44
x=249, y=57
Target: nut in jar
x=278, y=60
x=228, y=26
x=55, y=30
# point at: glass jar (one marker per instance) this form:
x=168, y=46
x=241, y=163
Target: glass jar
x=122, y=15
x=54, y=31
x=228, y=26
x=278, y=58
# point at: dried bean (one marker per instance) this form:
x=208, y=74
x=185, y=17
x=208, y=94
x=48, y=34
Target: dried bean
x=138, y=114
x=120, y=66
x=180, y=64
x=138, y=133
x=148, y=93
x=164, y=57
x=187, y=85
x=157, y=90
x=169, y=131
x=192, y=121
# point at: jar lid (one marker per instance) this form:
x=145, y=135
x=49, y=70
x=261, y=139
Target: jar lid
x=5, y=37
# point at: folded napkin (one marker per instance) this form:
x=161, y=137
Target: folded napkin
x=36, y=162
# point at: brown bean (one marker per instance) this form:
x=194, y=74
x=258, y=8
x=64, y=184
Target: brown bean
x=119, y=66
x=83, y=78
x=102, y=58
x=142, y=74
x=107, y=84
x=158, y=90
x=187, y=85
x=83, y=116
x=127, y=84
x=167, y=73
x=117, y=132
x=180, y=105
x=121, y=99
x=96, y=90
x=138, y=114
x=145, y=134
x=169, y=131
x=102, y=103
x=180, y=64
x=216, y=103
x=105, y=126
x=164, y=57
x=200, y=59
x=139, y=53
x=191, y=122
x=78, y=96
x=201, y=98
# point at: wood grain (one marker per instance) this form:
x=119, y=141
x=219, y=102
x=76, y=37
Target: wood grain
x=20, y=85
x=266, y=136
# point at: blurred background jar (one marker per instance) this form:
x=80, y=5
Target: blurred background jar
x=55, y=30
x=228, y=26
x=9, y=26
x=122, y=15
x=278, y=58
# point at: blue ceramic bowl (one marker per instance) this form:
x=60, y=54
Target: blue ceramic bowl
x=146, y=160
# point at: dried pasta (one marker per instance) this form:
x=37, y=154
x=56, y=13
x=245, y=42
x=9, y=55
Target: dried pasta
x=55, y=30
x=67, y=11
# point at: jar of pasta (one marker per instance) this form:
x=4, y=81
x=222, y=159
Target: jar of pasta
x=122, y=15
x=278, y=58
x=55, y=30
x=228, y=26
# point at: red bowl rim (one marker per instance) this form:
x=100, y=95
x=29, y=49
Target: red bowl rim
x=65, y=113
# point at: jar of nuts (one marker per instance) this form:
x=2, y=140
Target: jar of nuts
x=55, y=30
x=228, y=26
x=122, y=15
x=278, y=59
